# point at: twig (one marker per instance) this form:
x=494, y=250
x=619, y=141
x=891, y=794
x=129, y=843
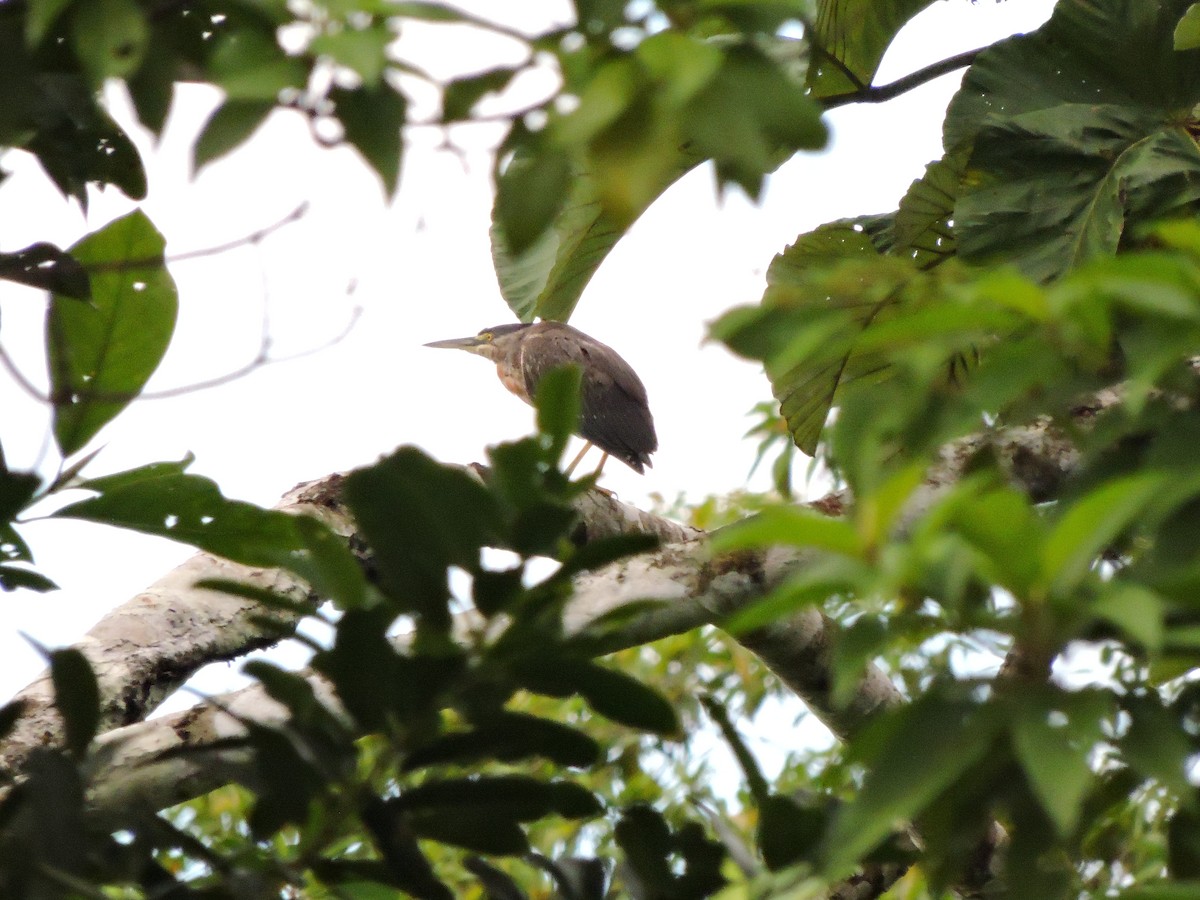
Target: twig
x=900, y=86
x=250, y=240
x=261, y=359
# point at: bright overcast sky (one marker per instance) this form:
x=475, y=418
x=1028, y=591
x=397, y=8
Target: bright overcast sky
x=423, y=271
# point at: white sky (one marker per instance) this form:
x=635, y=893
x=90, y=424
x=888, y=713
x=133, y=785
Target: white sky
x=423, y=272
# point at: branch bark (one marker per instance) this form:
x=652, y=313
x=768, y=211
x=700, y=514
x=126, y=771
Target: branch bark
x=149, y=646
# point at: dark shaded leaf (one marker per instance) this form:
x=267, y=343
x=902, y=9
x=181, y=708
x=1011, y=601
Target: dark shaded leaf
x=899, y=784
x=577, y=878
x=789, y=833
x=247, y=63
x=362, y=50
x=850, y=38
x=516, y=797
x=491, y=833
x=1080, y=133
x=13, y=577
x=230, y=125
x=1183, y=844
x=509, y=737
x=530, y=193
x=419, y=518
x=650, y=848
x=9, y=714
x=163, y=500
x=611, y=693
x=102, y=353
x=109, y=37
x=497, y=885
x=77, y=696
x=46, y=267
x=547, y=278
x=406, y=864
x=371, y=120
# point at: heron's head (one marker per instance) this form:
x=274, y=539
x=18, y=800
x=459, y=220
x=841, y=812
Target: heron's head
x=491, y=343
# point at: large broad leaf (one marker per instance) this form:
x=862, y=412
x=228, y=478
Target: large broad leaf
x=822, y=291
x=162, y=499
x=644, y=119
x=1081, y=131
x=546, y=279
x=850, y=37
x=420, y=518
x=953, y=735
x=102, y=353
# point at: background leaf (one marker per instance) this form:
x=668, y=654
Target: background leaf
x=101, y=354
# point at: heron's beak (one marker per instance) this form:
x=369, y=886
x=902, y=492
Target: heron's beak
x=470, y=344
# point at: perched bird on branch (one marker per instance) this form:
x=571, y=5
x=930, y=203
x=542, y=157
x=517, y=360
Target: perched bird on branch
x=615, y=415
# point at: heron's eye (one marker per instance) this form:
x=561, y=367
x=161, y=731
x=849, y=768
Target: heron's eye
x=485, y=336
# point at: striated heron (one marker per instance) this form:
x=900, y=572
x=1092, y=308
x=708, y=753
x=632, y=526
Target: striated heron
x=614, y=415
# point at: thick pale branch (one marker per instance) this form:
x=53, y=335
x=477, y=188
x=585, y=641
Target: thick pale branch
x=146, y=648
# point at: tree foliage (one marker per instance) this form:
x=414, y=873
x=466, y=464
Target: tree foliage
x=1041, y=279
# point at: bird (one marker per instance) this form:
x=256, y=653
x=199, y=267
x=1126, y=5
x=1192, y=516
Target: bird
x=614, y=414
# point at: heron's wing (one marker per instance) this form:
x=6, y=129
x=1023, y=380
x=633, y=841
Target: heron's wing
x=614, y=416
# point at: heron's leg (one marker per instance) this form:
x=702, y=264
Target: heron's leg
x=571, y=468
x=600, y=468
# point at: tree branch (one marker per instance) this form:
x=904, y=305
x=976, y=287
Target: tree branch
x=885, y=92
x=148, y=647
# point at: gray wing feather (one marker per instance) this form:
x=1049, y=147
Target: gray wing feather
x=615, y=415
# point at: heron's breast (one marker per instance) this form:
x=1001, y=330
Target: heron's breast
x=515, y=383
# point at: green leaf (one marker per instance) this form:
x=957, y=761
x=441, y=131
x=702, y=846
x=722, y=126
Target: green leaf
x=923, y=222
x=46, y=267
x=850, y=38
x=751, y=117
x=497, y=884
x=1089, y=525
x=230, y=125
x=1176, y=890
x=790, y=526
x=547, y=278
x=248, y=64
x=953, y=736
x=1054, y=734
x=109, y=37
x=1187, y=32
x=461, y=94
x=164, y=501
x=509, y=737
x=1156, y=744
x=363, y=51
x=558, y=405
x=16, y=491
x=1135, y=609
x=1005, y=528
x=41, y=17
x=823, y=291
x=448, y=517
x=77, y=696
x=1080, y=134
x=371, y=121
x=611, y=693
x=530, y=193
x=102, y=353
